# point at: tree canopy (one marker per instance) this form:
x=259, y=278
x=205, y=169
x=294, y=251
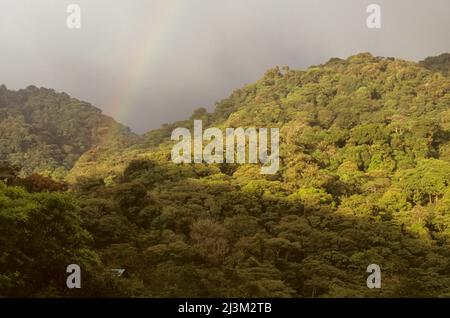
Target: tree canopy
x=364, y=179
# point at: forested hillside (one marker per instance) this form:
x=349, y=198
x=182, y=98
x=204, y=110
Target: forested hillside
x=47, y=132
x=440, y=63
x=364, y=178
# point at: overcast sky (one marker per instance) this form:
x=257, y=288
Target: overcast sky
x=148, y=62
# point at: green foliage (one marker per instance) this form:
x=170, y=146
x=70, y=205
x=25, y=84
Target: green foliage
x=364, y=178
x=41, y=235
x=47, y=132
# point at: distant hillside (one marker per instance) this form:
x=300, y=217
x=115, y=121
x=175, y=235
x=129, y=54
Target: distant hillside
x=440, y=63
x=47, y=132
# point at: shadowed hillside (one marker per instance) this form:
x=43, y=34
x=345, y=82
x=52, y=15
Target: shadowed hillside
x=47, y=132
x=440, y=63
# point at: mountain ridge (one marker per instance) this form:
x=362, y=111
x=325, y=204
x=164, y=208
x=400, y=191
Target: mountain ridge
x=245, y=113
x=364, y=179
x=45, y=131
x=91, y=149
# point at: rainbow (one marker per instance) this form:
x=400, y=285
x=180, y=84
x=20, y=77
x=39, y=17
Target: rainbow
x=143, y=59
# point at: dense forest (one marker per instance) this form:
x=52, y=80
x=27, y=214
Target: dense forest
x=46, y=132
x=364, y=178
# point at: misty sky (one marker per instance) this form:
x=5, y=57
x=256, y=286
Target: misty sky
x=148, y=62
